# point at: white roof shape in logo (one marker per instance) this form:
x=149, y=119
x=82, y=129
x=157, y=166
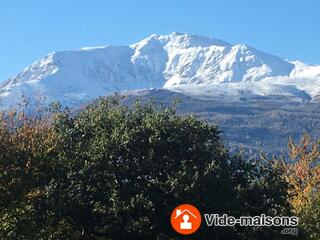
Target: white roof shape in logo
x=179, y=212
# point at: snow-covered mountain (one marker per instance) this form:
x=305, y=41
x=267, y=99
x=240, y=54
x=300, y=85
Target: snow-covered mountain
x=191, y=64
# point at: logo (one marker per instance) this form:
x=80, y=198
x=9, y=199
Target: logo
x=185, y=219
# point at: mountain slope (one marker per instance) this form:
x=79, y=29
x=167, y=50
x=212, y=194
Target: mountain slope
x=191, y=64
x=254, y=126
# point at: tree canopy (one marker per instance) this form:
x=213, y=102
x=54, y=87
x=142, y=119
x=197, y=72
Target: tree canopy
x=116, y=172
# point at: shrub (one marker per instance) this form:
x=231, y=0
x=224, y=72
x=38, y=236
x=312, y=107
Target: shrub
x=114, y=172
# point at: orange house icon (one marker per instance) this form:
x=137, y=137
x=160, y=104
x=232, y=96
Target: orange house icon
x=185, y=219
x=186, y=214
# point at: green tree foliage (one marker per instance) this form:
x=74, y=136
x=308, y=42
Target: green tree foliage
x=114, y=172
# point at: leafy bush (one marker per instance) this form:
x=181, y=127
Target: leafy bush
x=114, y=172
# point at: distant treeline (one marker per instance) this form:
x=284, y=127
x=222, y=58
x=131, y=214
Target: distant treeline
x=116, y=172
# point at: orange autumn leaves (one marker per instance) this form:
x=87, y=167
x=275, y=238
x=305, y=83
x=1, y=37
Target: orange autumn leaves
x=303, y=172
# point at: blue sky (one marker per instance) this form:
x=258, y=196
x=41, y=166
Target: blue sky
x=31, y=29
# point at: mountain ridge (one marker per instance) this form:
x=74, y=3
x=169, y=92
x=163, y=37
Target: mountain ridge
x=187, y=63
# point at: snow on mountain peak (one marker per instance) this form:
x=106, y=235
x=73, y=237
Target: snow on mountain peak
x=172, y=61
x=182, y=40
